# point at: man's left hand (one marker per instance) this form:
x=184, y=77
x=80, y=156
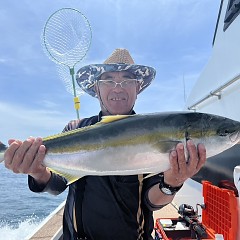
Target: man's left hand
x=181, y=168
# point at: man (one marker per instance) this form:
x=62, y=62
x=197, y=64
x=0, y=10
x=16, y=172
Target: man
x=108, y=207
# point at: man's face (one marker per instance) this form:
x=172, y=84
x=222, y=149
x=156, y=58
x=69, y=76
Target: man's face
x=118, y=99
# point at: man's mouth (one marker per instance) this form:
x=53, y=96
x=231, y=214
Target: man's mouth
x=117, y=99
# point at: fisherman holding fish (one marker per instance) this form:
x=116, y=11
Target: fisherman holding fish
x=114, y=206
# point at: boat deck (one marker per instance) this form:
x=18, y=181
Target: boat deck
x=51, y=228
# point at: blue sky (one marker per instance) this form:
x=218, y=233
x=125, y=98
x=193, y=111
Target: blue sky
x=174, y=36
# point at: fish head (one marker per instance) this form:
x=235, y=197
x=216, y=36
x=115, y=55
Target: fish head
x=222, y=134
x=228, y=130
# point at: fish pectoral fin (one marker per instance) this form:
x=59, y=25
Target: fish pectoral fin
x=165, y=146
x=70, y=178
x=113, y=118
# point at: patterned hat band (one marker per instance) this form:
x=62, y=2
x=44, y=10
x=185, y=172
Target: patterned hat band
x=120, y=60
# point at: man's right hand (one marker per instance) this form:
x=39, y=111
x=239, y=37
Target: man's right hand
x=27, y=157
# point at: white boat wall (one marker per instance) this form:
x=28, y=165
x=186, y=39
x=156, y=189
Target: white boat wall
x=217, y=90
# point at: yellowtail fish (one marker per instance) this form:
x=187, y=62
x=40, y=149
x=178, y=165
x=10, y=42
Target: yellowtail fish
x=136, y=144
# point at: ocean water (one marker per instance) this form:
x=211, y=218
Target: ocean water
x=21, y=211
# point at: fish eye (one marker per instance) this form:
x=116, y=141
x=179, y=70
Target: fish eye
x=224, y=133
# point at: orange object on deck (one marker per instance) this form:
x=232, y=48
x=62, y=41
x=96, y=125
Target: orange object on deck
x=220, y=216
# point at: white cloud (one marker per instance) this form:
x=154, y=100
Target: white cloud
x=3, y=60
x=21, y=122
x=48, y=104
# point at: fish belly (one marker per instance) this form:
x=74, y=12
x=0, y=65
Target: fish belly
x=125, y=160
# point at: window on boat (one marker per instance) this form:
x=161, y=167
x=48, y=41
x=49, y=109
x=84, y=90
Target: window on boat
x=233, y=9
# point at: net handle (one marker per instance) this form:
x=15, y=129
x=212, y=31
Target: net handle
x=76, y=98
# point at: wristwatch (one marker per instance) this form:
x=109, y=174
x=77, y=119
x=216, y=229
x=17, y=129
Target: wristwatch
x=167, y=189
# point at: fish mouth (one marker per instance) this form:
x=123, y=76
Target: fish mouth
x=234, y=136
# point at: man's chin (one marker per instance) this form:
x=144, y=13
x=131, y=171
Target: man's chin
x=119, y=111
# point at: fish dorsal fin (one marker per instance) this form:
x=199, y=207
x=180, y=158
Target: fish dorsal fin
x=113, y=118
x=105, y=119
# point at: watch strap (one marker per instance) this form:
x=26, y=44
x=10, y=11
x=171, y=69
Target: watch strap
x=167, y=189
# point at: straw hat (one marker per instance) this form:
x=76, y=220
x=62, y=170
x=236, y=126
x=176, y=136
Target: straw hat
x=120, y=60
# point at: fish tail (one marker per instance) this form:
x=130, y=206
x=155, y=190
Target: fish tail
x=3, y=148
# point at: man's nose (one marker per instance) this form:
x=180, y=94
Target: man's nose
x=118, y=88
x=119, y=85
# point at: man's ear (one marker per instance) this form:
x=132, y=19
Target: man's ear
x=96, y=89
x=138, y=87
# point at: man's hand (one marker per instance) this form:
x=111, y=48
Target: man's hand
x=181, y=168
x=27, y=157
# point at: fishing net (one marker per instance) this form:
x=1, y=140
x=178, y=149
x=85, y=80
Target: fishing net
x=66, y=39
x=65, y=77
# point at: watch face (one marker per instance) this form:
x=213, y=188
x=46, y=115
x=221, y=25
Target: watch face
x=167, y=191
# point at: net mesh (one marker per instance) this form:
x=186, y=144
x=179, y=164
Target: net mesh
x=67, y=36
x=65, y=77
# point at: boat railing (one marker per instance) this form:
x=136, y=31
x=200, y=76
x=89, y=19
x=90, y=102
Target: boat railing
x=51, y=227
x=215, y=93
